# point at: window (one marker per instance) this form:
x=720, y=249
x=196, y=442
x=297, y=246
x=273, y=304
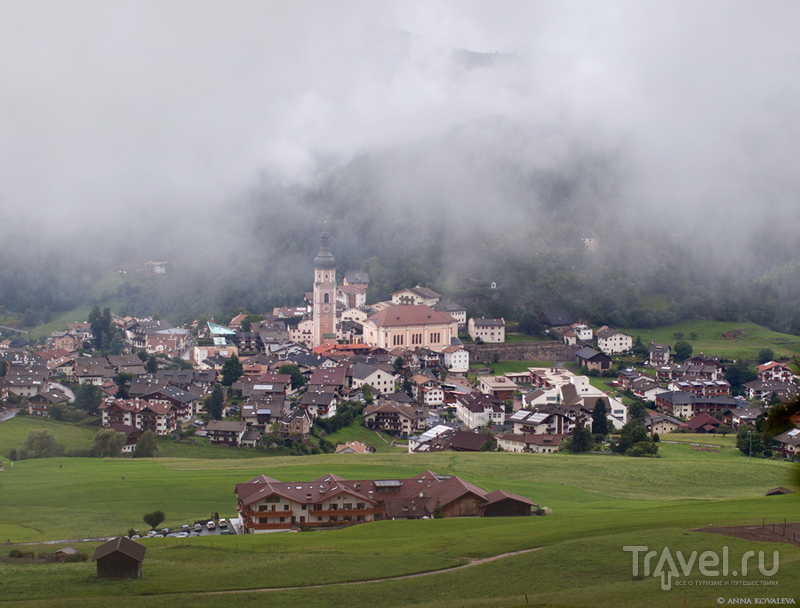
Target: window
x=334, y=507
x=360, y=505
x=282, y=519
x=334, y=518
x=347, y=506
x=326, y=298
x=285, y=507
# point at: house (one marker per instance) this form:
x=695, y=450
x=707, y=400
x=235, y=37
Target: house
x=703, y=423
x=659, y=354
x=456, y=360
x=159, y=418
x=262, y=411
x=530, y=442
x=295, y=426
x=410, y=326
x=549, y=421
x=613, y=342
x=582, y=332
x=39, y=405
x=498, y=386
x=541, y=396
x=788, y=443
x=661, y=423
x=354, y=447
x=593, y=360
x=132, y=435
x=775, y=372
x=391, y=417
x=62, y=555
x=737, y=416
x=416, y=296
x=686, y=405
x=646, y=389
x=226, y=432
x=381, y=380
x=119, y=558
x=186, y=404
x=765, y=389
x=320, y=401
x=458, y=312
x=479, y=410
x=555, y=319
x=490, y=331
x=88, y=370
x=357, y=279
x=427, y=390
x=266, y=504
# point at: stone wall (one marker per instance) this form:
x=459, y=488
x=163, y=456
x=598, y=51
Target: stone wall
x=522, y=351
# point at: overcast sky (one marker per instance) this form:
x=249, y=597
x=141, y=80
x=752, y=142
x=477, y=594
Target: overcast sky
x=109, y=108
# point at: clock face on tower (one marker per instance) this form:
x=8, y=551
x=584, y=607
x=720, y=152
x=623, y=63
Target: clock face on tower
x=326, y=308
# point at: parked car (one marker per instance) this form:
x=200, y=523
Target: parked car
x=223, y=523
x=181, y=535
x=152, y=533
x=165, y=532
x=198, y=528
x=185, y=528
x=211, y=525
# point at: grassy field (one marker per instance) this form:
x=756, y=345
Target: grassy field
x=505, y=367
x=728, y=441
x=651, y=502
x=745, y=340
x=356, y=432
x=74, y=436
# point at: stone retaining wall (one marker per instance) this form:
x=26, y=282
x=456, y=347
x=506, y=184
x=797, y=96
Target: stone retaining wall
x=522, y=351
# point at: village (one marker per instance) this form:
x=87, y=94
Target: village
x=278, y=380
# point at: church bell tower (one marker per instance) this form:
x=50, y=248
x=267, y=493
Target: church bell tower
x=324, y=293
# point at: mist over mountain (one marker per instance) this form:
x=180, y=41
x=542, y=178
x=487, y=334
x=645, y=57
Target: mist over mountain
x=446, y=144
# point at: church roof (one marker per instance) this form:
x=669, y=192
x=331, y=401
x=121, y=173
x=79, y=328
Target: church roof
x=325, y=259
x=395, y=316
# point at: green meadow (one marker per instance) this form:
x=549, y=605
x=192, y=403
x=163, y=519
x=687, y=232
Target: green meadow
x=723, y=339
x=600, y=504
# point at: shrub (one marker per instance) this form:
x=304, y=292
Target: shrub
x=77, y=557
x=642, y=448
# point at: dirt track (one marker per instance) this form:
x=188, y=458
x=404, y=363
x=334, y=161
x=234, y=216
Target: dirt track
x=789, y=533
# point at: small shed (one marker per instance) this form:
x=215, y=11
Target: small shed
x=61, y=555
x=119, y=558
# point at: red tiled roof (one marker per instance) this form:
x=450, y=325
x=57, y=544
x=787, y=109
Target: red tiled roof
x=396, y=316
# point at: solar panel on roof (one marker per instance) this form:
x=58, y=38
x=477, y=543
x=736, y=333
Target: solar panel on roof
x=388, y=483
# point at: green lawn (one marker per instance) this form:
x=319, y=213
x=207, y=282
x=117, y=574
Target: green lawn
x=357, y=432
x=74, y=436
x=76, y=315
x=728, y=441
x=513, y=338
x=600, y=503
x=746, y=341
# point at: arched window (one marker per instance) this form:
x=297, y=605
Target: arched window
x=326, y=298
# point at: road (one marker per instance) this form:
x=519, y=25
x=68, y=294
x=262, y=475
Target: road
x=8, y=414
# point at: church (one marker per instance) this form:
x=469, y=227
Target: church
x=394, y=325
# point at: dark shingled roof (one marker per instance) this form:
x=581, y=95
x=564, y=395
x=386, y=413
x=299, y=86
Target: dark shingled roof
x=124, y=545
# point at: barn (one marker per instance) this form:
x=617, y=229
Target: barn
x=119, y=558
